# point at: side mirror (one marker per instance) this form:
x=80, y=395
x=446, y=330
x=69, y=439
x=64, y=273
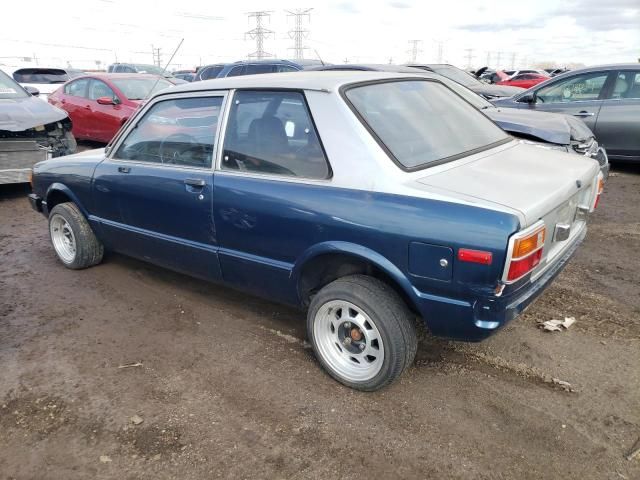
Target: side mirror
x=529, y=98
x=106, y=101
x=32, y=91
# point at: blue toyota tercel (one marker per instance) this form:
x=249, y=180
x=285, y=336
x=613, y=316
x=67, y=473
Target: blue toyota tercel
x=366, y=198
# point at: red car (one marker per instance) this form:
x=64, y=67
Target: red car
x=524, y=80
x=99, y=104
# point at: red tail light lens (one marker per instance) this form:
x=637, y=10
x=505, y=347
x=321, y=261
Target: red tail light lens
x=475, y=256
x=519, y=268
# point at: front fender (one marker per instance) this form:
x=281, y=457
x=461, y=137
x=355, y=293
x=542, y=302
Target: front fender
x=356, y=251
x=62, y=188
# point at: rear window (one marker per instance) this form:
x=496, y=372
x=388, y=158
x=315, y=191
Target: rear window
x=40, y=75
x=140, y=88
x=422, y=122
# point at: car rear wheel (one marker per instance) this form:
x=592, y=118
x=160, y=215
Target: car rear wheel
x=73, y=240
x=362, y=332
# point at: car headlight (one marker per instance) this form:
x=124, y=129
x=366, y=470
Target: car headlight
x=588, y=148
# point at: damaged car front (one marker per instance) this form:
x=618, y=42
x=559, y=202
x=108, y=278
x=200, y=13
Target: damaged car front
x=30, y=131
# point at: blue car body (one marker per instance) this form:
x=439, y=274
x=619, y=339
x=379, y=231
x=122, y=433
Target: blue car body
x=283, y=239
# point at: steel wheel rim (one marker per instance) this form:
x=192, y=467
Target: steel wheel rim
x=355, y=360
x=63, y=239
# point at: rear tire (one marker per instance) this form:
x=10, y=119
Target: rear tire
x=72, y=237
x=362, y=332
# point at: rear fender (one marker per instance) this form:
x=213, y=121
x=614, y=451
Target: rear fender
x=358, y=252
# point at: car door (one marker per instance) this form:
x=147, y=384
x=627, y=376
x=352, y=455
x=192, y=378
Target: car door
x=618, y=127
x=154, y=191
x=579, y=95
x=105, y=119
x=72, y=101
x=272, y=164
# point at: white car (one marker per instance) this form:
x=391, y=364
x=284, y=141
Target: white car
x=45, y=80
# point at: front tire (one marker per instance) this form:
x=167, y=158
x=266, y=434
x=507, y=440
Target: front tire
x=362, y=332
x=72, y=238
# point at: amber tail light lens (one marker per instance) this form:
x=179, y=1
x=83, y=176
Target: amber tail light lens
x=599, y=193
x=530, y=243
x=526, y=253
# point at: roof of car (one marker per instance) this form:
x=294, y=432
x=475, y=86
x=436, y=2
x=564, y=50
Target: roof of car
x=251, y=62
x=376, y=67
x=304, y=80
x=112, y=76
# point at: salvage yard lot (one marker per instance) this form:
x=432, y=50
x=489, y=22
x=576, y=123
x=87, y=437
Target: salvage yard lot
x=227, y=388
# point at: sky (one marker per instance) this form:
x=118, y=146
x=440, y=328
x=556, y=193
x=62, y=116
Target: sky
x=502, y=33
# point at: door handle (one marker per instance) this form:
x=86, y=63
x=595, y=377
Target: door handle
x=124, y=169
x=87, y=107
x=584, y=113
x=195, y=182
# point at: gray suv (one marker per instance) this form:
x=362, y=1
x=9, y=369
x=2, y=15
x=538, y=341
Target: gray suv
x=606, y=98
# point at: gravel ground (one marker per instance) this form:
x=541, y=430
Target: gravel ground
x=226, y=387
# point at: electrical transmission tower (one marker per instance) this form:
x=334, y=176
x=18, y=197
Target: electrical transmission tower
x=470, y=56
x=157, y=59
x=414, y=50
x=259, y=33
x=440, y=45
x=298, y=34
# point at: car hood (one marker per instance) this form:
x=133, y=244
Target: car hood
x=547, y=127
x=21, y=114
x=496, y=90
x=524, y=178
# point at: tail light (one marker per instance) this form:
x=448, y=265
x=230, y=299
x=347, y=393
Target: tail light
x=525, y=252
x=599, y=191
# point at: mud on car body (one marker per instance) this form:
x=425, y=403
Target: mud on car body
x=31, y=130
x=336, y=192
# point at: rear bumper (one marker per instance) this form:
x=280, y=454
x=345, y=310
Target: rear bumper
x=478, y=319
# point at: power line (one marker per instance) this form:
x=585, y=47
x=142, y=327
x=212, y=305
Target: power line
x=259, y=33
x=298, y=34
x=414, y=50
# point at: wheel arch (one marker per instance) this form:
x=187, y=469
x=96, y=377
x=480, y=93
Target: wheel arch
x=59, y=193
x=328, y=261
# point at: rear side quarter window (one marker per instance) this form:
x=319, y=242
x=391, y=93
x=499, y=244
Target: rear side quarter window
x=273, y=133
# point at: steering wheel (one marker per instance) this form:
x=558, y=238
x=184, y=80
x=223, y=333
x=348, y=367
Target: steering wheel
x=176, y=154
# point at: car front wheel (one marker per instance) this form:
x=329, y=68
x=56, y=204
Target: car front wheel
x=73, y=240
x=362, y=332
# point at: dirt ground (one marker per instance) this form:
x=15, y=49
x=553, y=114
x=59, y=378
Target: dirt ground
x=227, y=388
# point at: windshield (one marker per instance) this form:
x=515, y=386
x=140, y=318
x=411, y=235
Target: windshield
x=40, y=75
x=456, y=75
x=140, y=88
x=141, y=68
x=423, y=122
x=10, y=89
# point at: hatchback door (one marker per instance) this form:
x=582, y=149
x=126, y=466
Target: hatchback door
x=578, y=95
x=618, y=127
x=155, y=193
